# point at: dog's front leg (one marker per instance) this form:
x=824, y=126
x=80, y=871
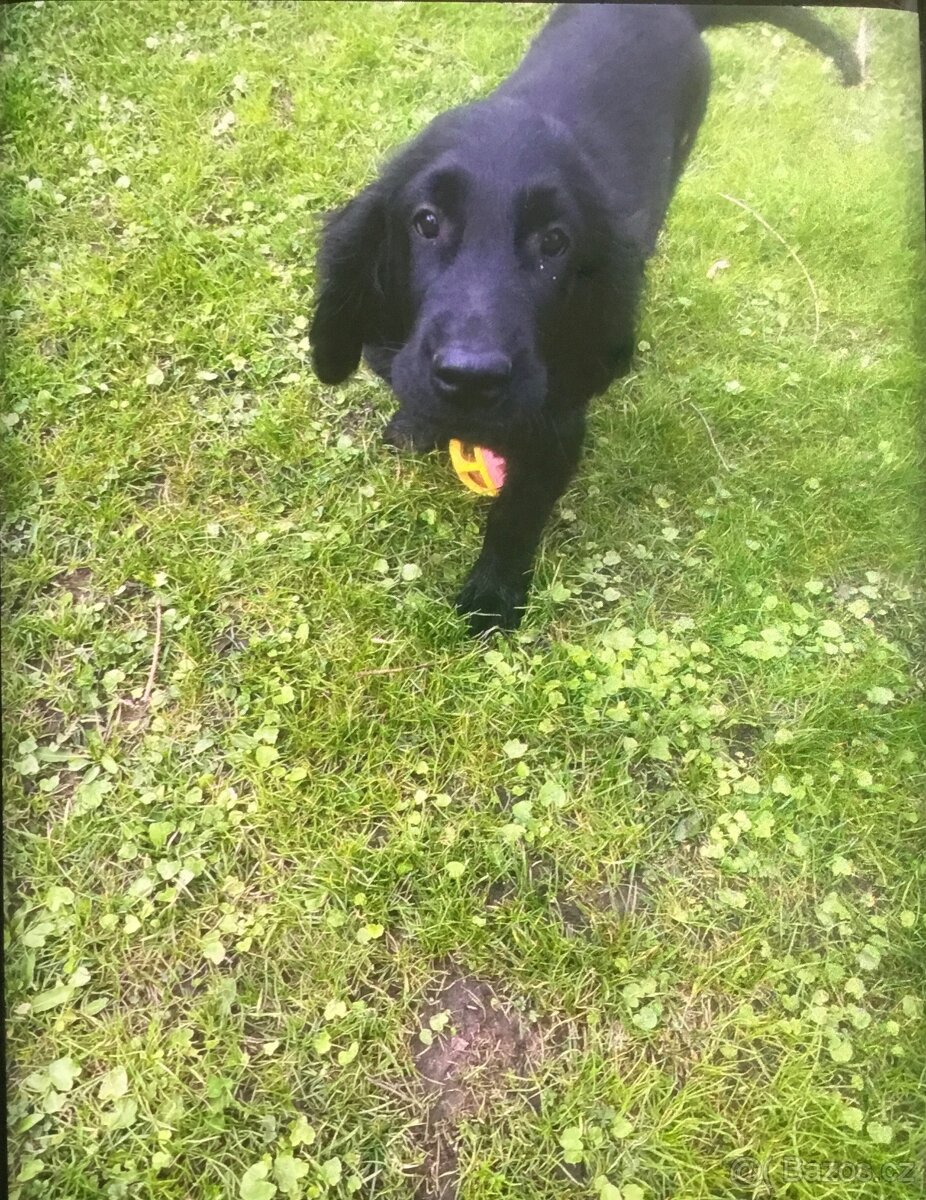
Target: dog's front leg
x=495, y=592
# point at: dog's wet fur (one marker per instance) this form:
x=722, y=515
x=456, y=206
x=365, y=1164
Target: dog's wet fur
x=492, y=272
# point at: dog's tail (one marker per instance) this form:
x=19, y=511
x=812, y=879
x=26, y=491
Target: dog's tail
x=795, y=20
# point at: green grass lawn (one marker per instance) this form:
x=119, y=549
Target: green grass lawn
x=270, y=817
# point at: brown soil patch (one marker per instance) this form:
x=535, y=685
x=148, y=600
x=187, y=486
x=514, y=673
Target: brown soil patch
x=743, y=739
x=282, y=103
x=47, y=721
x=362, y=419
x=624, y=898
x=229, y=641
x=575, y=905
x=78, y=583
x=484, y=1041
x=481, y=1043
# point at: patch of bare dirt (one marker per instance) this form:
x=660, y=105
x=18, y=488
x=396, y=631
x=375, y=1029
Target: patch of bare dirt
x=282, y=103
x=51, y=347
x=47, y=721
x=652, y=778
x=623, y=898
x=378, y=834
x=79, y=583
x=688, y=1036
x=229, y=641
x=480, y=1043
x=154, y=490
x=743, y=740
x=363, y=419
x=575, y=905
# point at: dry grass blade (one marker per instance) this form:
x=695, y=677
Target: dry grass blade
x=155, y=655
x=774, y=232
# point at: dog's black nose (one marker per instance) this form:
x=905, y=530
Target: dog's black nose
x=463, y=374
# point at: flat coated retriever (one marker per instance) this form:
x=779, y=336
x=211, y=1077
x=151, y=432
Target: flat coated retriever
x=491, y=274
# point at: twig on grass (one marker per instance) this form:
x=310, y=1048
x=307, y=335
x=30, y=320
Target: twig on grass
x=112, y=720
x=404, y=1096
x=155, y=654
x=762, y=221
x=394, y=670
x=149, y=685
x=723, y=462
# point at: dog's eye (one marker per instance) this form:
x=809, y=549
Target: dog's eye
x=553, y=243
x=425, y=223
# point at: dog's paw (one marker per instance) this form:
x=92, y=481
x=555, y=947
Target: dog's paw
x=404, y=433
x=490, y=605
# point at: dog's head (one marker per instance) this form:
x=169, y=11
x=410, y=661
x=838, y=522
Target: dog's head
x=482, y=274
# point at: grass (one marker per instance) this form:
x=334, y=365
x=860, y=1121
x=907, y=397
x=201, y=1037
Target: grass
x=263, y=797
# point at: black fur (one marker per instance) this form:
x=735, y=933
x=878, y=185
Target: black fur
x=492, y=273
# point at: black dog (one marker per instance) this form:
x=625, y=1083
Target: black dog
x=492, y=272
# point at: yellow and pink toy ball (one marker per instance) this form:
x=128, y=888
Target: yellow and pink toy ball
x=478, y=468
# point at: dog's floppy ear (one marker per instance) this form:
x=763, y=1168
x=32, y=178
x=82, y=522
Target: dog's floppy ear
x=595, y=340
x=612, y=299
x=347, y=270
